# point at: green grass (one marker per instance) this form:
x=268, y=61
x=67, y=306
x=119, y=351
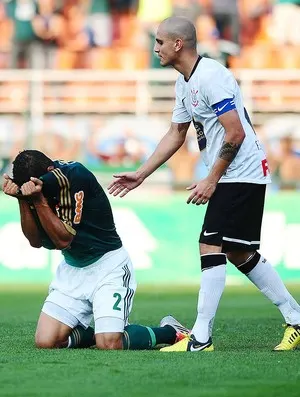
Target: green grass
x=246, y=329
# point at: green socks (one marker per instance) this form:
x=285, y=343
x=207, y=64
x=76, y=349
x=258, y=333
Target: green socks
x=138, y=337
x=135, y=337
x=81, y=338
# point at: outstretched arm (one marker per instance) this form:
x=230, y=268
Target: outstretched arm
x=169, y=144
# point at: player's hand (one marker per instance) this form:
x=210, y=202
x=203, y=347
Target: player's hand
x=124, y=182
x=9, y=187
x=201, y=192
x=33, y=188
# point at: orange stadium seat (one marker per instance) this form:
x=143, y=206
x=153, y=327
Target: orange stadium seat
x=256, y=57
x=132, y=58
x=289, y=57
x=123, y=58
x=103, y=59
x=71, y=60
x=65, y=59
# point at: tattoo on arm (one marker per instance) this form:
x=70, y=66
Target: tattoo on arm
x=229, y=151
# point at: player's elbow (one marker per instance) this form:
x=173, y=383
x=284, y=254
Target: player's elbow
x=242, y=135
x=236, y=136
x=35, y=243
x=63, y=243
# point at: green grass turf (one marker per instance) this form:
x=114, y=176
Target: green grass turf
x=246, y=329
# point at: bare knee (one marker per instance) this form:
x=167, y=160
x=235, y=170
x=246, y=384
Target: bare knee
x=42, y=342
x=51, y=333
x=109, y=341
x=46, y=340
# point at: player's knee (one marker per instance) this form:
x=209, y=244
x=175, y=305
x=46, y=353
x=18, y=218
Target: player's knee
x=237, y=257
x=211, y=256
x=244, y=261
x=45, y=343
x=109, y=341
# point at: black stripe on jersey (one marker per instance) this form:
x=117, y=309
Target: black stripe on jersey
x=65, y=196
x=129, y=293
x=125, y=284
x=194, y=68
x=247, y=117
x=129, y=302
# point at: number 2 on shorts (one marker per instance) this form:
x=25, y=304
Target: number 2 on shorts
x=116, y=305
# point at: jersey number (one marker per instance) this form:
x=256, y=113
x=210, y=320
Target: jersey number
x=78, y=206
x=116, y=305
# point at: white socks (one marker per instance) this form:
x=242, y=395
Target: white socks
x=263, y=276
x=212, y=286
x=267, y=280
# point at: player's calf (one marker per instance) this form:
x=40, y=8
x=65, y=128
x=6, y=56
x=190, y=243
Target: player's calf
x=131, y=337
x=262, y=274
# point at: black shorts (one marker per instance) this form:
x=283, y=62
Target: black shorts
x=233, y=217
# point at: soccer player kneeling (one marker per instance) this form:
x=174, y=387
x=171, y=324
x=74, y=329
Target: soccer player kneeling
x=62, y=206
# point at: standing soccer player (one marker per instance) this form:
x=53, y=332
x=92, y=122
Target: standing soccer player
x=208, y=95
x=63, y=207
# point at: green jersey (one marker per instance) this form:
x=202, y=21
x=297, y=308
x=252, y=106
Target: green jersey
x=22, y=14
x=79, y=201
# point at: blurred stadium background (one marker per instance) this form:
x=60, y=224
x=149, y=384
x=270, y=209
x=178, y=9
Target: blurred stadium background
x=79, y=80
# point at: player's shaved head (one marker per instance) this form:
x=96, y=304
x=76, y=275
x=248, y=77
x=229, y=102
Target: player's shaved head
x=180, y=28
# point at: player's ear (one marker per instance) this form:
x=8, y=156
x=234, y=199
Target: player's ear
x=178, y=44
x=50, y=168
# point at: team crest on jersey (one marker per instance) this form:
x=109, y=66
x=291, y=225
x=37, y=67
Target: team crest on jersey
x=194, y=97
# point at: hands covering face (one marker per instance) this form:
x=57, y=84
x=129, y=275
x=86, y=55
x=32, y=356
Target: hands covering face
x=30, y=189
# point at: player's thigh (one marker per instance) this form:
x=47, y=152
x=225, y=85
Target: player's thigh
x=243, y=231
x=51, y=333
x=216, y=217
x=68, y=299
x=60, y=314
x=113, y=299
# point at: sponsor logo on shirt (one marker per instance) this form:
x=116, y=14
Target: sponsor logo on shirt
x=201, y=138
x=78, y=206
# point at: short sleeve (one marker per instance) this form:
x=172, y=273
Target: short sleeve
x=219, y=87
x=69, y=191
x=180, y=113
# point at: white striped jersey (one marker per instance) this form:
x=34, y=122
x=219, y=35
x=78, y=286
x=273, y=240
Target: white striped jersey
x=211, y=91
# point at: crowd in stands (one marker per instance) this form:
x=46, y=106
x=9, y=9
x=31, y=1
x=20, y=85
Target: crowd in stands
x=119, y=34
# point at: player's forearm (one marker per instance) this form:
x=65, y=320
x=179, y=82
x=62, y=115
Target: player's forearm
x=29, y=226
x=52, y=225
x=169, y=144
x=229, y=149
